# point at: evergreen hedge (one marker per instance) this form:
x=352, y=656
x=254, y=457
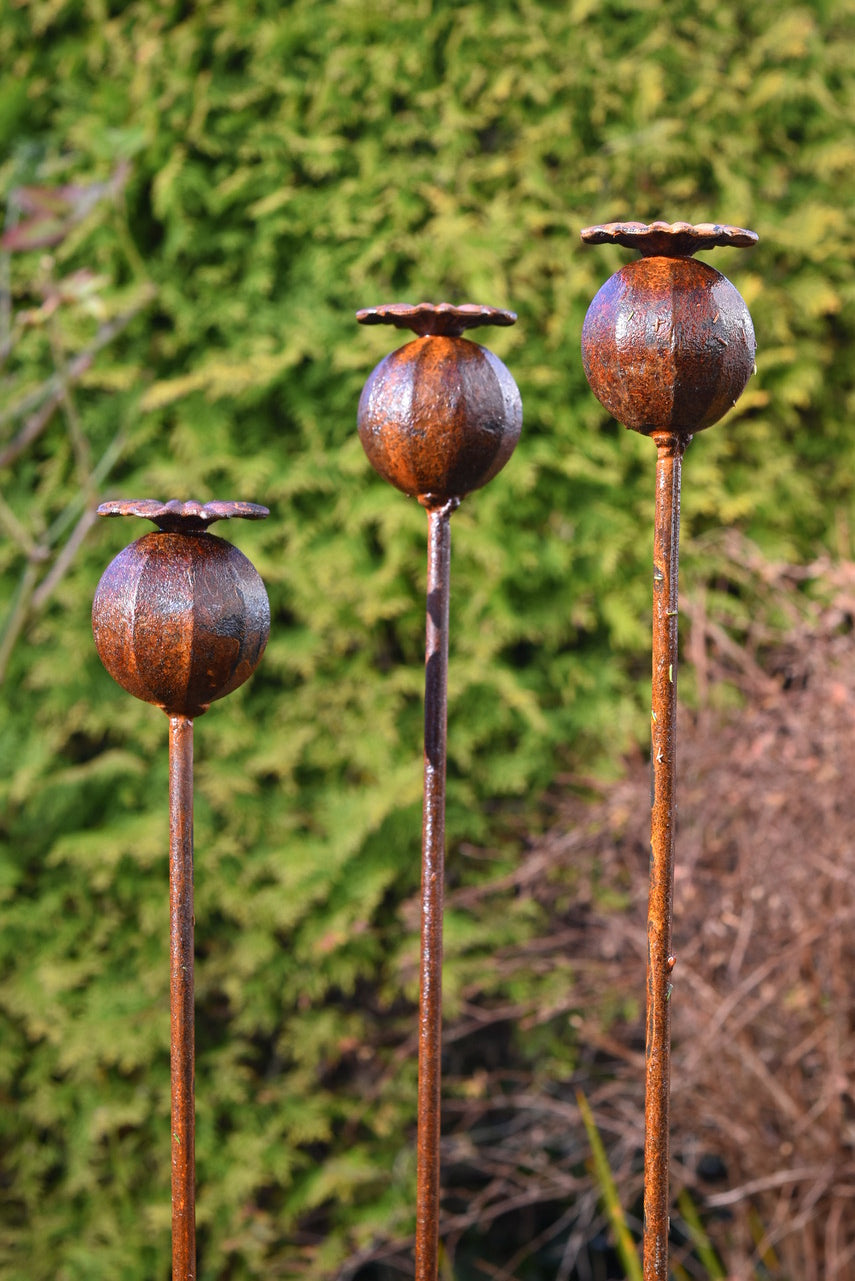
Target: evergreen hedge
x=238, y=178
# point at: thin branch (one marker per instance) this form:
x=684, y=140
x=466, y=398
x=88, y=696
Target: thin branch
x=102, y=469
x=18, y=533
x=49, y=394
x=31, y=596
x=17, y=615
x=62, y=564
x=718, y=1200
x=79, y=443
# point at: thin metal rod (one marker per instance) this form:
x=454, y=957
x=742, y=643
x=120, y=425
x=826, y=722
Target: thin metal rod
x=182, y=1045
x=660, y=961
x=433, y=879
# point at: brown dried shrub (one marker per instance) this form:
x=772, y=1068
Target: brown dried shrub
x=764, y=1003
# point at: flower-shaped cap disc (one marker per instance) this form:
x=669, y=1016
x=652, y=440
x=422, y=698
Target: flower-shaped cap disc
x=669, y=239
x=435, y=318
x=176, y=516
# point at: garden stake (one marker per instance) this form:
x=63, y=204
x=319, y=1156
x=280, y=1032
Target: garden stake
x=181, y=618
x=668, y=347
x=438, y=418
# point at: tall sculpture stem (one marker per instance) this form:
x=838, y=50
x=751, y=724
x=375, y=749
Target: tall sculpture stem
x=438, y=418
x=668, y=347
x=433, y=882
x=180, y=619
x=182, y=1038
x=660, y=960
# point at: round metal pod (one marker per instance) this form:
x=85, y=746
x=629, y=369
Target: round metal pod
x=668, y=344
x=180, y=618
x=442, y=415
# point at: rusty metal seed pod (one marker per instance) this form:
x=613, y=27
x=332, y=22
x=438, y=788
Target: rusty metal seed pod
x=442, y=415
x=180, y=619
x=668, y=347
x=668, y=343
x=438, y=418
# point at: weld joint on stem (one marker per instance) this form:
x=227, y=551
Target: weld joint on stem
x=671, y=444
x=439, y=506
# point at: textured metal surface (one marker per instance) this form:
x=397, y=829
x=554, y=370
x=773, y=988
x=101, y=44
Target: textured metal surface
x=668, y=346
x=440, y=318
x=666, y=550
x=181, y=618
x=437, y=418
x=182, y=1036
x=670, y=239
x=176, y=515
x=433, y=888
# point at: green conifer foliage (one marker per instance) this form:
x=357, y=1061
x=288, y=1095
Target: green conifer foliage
x=269, y=168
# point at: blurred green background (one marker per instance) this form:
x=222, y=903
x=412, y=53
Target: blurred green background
x=197, y=199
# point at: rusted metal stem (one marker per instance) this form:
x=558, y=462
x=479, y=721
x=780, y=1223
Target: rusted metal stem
x=433, y=879
x=660, y=961
x=182, y=1048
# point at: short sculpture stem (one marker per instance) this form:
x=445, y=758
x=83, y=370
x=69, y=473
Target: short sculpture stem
x=660, y=961
x=433, y=878
x=182, y=1044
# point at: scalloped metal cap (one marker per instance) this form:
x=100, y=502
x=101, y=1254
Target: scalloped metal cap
x=435, y=319
x=669, y=239
x=178, y=517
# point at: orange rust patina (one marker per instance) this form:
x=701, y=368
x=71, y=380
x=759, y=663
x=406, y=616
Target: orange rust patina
x=180, y=619
x=438, y=418
x=668, y=347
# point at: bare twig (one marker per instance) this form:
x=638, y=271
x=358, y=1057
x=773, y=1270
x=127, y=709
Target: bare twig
x=48, y=395
x=62, y=564
x=17, y=616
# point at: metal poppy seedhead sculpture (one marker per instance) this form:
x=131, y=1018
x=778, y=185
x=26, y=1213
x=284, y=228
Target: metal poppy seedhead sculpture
x=668, y=347
x=442, y=415
x=438, y=418
x=668, y=344
x=181, y=618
